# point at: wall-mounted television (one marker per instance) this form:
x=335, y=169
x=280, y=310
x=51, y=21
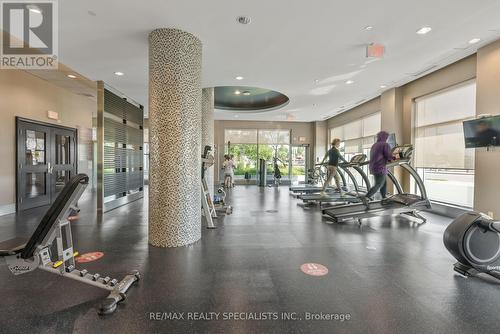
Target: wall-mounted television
x=482, y=132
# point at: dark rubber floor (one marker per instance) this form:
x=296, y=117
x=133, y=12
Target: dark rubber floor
x=388, y=276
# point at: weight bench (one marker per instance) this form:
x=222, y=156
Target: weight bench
x=55, y=226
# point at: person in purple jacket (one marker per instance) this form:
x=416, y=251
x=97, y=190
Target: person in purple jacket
x=380, y=155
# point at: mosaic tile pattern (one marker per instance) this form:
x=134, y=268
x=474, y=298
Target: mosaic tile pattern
x=175, y=138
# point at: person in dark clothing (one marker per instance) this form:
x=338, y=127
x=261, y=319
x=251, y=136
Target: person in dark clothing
x=380, y=155
x=485, y=135
x=334, y=157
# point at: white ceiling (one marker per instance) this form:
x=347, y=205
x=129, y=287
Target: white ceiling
x=288, y=45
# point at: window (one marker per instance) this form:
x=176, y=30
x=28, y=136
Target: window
x=441, y=159
x=358, y=137
x=275, y=144
x=242, y=144
x=249, y=145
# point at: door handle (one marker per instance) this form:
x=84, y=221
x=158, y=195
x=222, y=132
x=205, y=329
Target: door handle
x=49, y=168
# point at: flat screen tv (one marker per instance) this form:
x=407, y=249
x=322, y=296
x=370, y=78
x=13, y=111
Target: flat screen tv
x=482, y=132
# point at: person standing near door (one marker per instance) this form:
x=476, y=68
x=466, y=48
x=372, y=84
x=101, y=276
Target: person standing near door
x=334, y=157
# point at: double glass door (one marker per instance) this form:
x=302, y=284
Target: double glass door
x=299, y=164
x=46, y=160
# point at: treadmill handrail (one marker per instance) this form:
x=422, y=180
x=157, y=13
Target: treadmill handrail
x=364, y=176
x=351, y=176
x=418, y=179
x=52, y=214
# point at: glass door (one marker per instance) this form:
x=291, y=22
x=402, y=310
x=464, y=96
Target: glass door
x=46, y=160
x=62, y=165
x=299, y=164
x=32, y=156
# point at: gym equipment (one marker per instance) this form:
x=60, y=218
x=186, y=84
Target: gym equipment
x=262, y=173
x=210, y=208
x=308, y=189
x=276, y=172
x=356, y=162
x=317, y=176
x=207, y=160
x=474, y=240
x=400, y=203
x=276, y=169
x=220, y=202
x=55, y=226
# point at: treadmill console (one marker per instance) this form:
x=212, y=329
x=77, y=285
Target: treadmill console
x=403, y=152
x=358, y=159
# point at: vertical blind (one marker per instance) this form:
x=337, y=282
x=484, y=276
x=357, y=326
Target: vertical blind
x=439, y=138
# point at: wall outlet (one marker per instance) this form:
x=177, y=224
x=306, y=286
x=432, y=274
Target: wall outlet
x=490, y=213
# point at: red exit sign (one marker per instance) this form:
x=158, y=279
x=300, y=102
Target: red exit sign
x=375, y=50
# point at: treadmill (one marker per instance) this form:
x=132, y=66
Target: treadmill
x=400, y=203
x=355, y=163
x=309, y=189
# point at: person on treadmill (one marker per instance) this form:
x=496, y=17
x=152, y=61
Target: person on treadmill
x=333, y=163
x=380, y=155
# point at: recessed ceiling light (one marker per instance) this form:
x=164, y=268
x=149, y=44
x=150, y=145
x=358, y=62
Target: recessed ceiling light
x=243, y=19
x=368, y=28
x=239, y=77
x=316, y=81
x=383, y=86
x=475, y=40
x=237, y=92
x=424, y=30
x=34, y=9
x=71, y=76
x=119, y=74
x=349, y=82
x=246, y=93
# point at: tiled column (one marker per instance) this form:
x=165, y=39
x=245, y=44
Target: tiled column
x=207, y=130
x=175, y=138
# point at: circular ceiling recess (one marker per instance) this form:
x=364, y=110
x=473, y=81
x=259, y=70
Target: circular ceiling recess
x=248, y=99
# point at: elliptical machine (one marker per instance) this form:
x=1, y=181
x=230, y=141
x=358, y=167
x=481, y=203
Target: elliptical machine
x=474, y=240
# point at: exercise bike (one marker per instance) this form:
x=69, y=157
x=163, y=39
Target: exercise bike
x=474, y=240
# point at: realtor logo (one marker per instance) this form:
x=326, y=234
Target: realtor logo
x=29, y=34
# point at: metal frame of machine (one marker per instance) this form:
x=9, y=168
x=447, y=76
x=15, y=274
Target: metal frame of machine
x=400, y=203
x=55, y=226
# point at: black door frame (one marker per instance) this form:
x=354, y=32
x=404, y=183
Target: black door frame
x=18, y=120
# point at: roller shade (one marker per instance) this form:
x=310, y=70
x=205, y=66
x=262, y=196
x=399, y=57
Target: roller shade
x=439, y=139
x=353, y=146
x=240, y=136
x=277, y=137
x=359, y=134
x=372, y=125
x=337, y=133
x=353, y=130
